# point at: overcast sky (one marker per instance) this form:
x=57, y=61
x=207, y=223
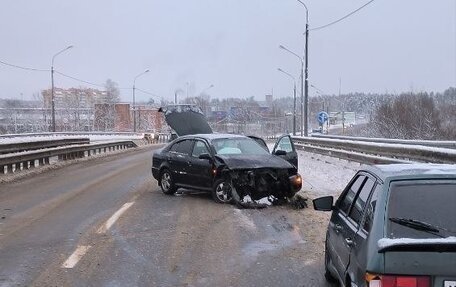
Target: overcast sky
x=389, y=46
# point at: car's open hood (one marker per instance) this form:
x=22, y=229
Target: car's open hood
x=254, y=161
x=186, y=119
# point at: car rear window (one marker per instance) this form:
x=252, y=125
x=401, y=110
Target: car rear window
x=430, y=202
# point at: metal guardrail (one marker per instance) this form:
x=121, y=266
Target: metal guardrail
x=372, y=152
x=442, y=144
x=35, y=145
x=71, y=134
x=31, y=159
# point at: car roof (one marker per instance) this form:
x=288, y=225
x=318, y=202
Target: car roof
x=412, y=170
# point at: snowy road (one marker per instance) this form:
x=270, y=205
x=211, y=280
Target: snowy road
x=105, y=222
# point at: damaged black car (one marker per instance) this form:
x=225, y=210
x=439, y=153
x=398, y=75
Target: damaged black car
x=233, y=168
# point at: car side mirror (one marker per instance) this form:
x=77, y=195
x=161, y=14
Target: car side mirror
x=324, y=203
x=280, y=152
x=205, y=156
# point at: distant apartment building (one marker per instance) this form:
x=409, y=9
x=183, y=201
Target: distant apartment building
x=119, y=118
x=74, y=97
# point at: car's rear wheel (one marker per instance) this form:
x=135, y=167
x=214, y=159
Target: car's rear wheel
x=166, y=182
x=221, y=192
x=329, y=277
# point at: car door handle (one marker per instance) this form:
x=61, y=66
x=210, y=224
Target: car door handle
x=349, y=241
x=337, y=227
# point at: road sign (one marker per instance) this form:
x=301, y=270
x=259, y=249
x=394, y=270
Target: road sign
x=322, y=117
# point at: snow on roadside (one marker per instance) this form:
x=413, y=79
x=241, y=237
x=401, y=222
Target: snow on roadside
x=324, y=175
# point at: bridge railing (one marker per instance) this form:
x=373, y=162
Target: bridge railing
x=442, y=144
x=41, y=144
x=11, y=163
x=376, y=152
x=26, y=151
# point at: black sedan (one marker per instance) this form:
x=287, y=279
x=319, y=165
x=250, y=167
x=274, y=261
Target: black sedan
x=231, y=167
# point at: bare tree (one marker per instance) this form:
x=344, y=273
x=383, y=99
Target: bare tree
x=112, y=92
x=409, y=116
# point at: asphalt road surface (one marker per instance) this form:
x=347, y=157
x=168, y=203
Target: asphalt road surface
x=105, y=222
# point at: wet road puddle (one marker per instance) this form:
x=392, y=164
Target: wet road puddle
x=289, y=237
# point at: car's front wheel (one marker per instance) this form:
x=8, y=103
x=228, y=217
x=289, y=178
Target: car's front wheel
x=166, y=182
x=221, y=192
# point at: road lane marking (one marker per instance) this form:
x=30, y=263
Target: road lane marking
x=105, y=227
x=76, y=256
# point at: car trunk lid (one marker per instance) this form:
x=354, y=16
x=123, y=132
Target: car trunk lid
x=186, y=119
x=435, y=257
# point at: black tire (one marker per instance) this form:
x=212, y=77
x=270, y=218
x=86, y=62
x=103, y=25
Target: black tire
x=166, y=182
x=221, y=192
x=328, y=276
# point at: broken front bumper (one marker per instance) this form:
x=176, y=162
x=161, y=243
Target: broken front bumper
x=265, y=182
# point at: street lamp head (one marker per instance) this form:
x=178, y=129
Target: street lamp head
x=147, y=71
x=281, y=47
x=69, y=47
x=280, y=70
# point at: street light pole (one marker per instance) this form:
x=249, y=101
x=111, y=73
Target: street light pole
x=302, y=81
x=134, y=100
x=206, y=89
x=306, y=96
x=52, y=85
x=294, y=98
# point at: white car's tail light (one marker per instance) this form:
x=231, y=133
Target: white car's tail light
x=375, y=280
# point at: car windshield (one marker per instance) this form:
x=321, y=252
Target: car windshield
x=245, y=146
x=422, y=210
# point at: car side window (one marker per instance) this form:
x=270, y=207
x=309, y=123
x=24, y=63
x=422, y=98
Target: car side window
x=174, y=147
x=182, y=147
x=347, y=200
x=199, y=148
x=370, y=210
x=356, y=212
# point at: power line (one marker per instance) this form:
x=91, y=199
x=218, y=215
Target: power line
x=79, y=80
x=343, y=18
x=71, y=77
x=149, y=93
x=23, y=68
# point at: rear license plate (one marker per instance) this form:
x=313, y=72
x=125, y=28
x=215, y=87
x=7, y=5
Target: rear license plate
x=449, y=283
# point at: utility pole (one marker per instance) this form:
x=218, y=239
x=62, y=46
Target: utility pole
x=306, y=96
x=52, y=85
x=134, y=100
x=302, y=84
x=343, y=108
x=294, y=98
x=52, y=97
